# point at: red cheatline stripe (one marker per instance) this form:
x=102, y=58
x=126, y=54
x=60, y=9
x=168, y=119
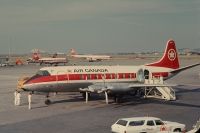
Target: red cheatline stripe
x=65, y=77
x=80, y=77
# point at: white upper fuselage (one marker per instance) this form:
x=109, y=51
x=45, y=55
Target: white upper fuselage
x=102, y=69
x=93, y=57
x=52, y=59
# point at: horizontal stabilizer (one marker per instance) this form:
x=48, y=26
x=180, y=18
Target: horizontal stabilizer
x=151, y=85
x=184, y=68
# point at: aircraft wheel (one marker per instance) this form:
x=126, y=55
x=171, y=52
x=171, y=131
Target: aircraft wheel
x=133, y=93
x=177, y=130
x=117, y=99
x=47, y=102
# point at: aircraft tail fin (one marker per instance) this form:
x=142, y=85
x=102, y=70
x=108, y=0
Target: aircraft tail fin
x=72, y=52
x=36, y=55
x=170, y=57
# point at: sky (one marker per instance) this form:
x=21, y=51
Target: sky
x=98, y=26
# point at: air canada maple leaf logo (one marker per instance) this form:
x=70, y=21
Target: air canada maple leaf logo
x=171, y=54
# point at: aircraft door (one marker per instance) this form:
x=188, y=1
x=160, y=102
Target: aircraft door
x=140, y=75
x=146, y=74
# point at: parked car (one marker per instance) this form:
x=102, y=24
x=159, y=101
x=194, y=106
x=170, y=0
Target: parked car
x=3, y=65
x=145, y=125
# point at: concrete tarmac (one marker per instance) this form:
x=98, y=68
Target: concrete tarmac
x=70, y=114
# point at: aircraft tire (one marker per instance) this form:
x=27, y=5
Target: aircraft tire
x=117, y=99
x=47, y=102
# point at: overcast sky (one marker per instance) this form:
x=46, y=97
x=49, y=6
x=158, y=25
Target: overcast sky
x=98, y=26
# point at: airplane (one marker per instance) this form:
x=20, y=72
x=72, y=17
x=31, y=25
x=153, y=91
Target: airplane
x=115, y=81
x=89, y=57
x=36, y=58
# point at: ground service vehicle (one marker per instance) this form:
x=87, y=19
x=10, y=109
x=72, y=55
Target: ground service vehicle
x=145, y=125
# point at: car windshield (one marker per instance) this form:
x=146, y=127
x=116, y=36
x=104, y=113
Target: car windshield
x=159, y=122
x=136, y=123
x=121, y=122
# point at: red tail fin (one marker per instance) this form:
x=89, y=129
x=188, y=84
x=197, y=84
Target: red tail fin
x=170, y=57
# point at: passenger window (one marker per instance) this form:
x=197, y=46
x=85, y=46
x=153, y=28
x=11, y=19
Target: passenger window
x=103, y=76
x=150, y=123
x=81, y=77
x=136, y=123
x=129, y=75
x=88, y=76
x=107, y=76
x=123, y=76
x=159, y=122
x=115, y=76
x=95, y=76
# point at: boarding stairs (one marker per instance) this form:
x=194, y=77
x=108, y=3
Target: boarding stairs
x=159, y=92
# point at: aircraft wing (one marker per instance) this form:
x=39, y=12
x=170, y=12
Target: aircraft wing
x=120, y=87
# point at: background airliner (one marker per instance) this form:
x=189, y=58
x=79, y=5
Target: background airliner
x=113, y=80
x=89, y=57
x=36, y=58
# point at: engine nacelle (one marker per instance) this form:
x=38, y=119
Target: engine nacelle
x=110, y=88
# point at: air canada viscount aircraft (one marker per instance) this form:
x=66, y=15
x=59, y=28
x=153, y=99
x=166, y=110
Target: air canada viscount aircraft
x=115, y=80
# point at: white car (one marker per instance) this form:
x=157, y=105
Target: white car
x=145, y=125
x=3, y=65
x=196, y=128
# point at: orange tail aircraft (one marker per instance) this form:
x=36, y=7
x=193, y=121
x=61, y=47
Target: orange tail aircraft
x=36, y=58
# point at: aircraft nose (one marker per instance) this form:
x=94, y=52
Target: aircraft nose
x=21, y=83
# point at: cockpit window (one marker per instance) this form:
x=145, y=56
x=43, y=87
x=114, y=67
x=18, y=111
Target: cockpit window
x=43, y=73
x=40, y=73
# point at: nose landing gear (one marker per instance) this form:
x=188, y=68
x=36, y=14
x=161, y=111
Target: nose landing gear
x=47, y=101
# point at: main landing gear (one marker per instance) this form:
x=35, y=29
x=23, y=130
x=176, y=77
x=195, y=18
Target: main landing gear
x=86, y=96
x=117, y=99
x=47, y=102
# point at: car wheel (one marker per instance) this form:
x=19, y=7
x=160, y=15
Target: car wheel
x=177, y=130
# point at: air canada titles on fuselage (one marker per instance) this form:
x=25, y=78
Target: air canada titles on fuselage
x=90, y=70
